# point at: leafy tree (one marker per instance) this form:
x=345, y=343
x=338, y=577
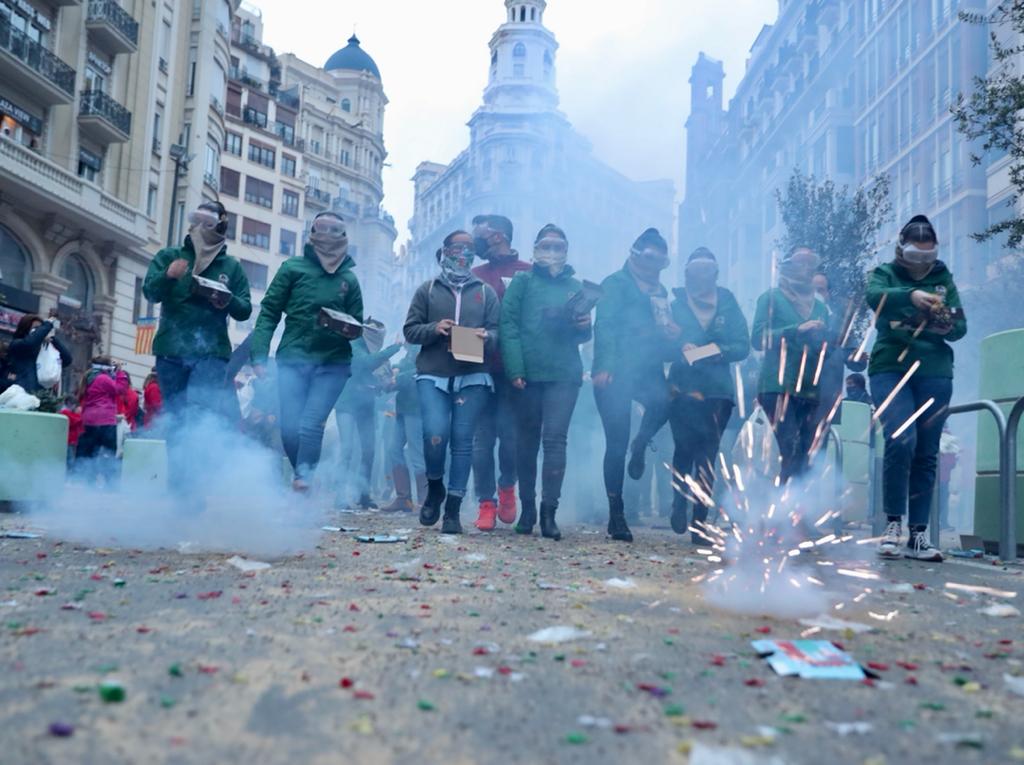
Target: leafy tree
x=840, y=225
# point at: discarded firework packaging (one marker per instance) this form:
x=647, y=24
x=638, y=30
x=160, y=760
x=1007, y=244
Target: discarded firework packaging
x=211, y=289
x=340, y=323
x=583, y=302
x=809, y=659
x=380, y=539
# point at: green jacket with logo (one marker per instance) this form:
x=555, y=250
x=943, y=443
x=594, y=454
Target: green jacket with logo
x=728, y=330
x=190, y=326
x=300, y=288
x=776, y=320
x=891, y=282
x=539, y=342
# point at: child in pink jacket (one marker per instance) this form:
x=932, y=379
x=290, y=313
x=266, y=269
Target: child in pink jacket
x=98, y=395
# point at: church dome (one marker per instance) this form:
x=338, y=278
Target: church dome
x=352, y=58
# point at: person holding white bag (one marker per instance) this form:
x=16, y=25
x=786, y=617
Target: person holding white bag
x=35, y=357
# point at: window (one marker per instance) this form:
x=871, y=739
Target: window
x=261, y=154
x=15, y=265
x=288, y=165
x=151, y=201
x=212, y=159
x=89, y=165
x=234, y=101
x=141, y=308
x=519, y=60
x=233, y=144
x=256, y=273
x=288, y=242
x=79, y=294
x=254, y=117
x=156, y=132
x=259, y=192
x=290, y=203
x=256, y=234
x=346, y=105
x=230, y=181
x=286, y=132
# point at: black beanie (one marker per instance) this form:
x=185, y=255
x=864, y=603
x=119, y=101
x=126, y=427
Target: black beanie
x=701, y=253
x=551, y=228
x=918, y=229
x=651, y=238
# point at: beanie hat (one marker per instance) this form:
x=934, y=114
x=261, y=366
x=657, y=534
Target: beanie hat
x=701, y=253
x=551, y=228
x=918, y=229
x=651, y=238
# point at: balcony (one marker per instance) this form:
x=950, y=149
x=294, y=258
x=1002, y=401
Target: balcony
x=31, y=67
x=212, y=181
x=317, y=197
x=252, y=117
x=163, y=66
x=103, y=119
x=112, y=27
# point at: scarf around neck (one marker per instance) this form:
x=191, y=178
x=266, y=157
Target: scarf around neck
x=702, y=290
x=330, y=250
x=207, y=245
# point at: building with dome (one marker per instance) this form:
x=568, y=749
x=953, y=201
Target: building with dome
x=525, y=161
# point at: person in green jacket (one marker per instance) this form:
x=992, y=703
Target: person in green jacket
x=911, y=369
x=791, y=326
x=714, y=332
x=313, y=362
x=633, y=339
x=540, y=339
x=191, y=346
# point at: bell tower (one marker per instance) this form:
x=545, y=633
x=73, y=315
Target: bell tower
x=522, y=70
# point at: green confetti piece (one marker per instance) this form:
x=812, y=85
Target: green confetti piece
x=120, y=582
x=933, y=706
x=794, y=718
x=575, y=738
x=107, y=668
x=425, y=706
x=559, y=657
x=80, y=595
x=674, y=710
x=15, y=625
x=960, y=681
x=668, y=675
x=111, y=692
x=167, y=702
x=175, y=670
x=908, y=724
x=474, y=613
x=669, y=641
x=985, y=714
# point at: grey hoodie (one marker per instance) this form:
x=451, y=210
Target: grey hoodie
x=478, y=307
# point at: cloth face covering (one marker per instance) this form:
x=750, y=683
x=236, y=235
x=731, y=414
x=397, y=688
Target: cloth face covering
x=796, y=280
x=330, y=243
x=702, y=289
x=646, y=265
x=551, y=253
x=456, y=262
x=206, y=240
x=916, y=261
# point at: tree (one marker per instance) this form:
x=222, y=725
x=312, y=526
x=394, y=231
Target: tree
x=992, y=114
x=842, y=227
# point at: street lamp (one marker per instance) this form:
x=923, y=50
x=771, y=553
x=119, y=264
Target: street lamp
x=181, y=160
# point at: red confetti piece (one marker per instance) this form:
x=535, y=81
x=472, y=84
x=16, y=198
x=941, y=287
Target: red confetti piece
x=208, y=669
x=349, y=628
x=143, y=630
x=353, y=607
x=40, y=556
x=718, y=660
x=1005, y=641
x=622, y=728
x=754, y=682
x=363, y=695
x=346, y=682
x=391, y=571
x=878, y=666
x=910, y=680
x=704, y=724
x=504, y=670
x=97, y=616
x=44, y=591
x=97, y=577
x=28, y=631
x=869, y=682
x=210, y=595
x=578, y=663
x=907, y=665
x=764, y=630
x=920, y=587
x=480, y=651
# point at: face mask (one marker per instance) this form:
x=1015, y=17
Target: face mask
x=481, y=246
x=915, y=255
x=456, y=264
x=650, y=259
x=701, y=274
x=207, y=227
x=330, y=242
x=551, y=254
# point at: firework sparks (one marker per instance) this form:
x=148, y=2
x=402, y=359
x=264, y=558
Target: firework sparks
x=867, y=335
x=977, y=590
x=800, y=374
x=782, y=361
x=895, y=391
x=821, y=363
x=913, y=418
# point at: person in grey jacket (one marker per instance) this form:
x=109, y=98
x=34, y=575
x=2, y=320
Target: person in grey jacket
x=452, y=393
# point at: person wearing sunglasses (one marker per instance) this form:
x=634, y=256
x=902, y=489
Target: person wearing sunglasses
x=452, y=393
x=191, y=345
x=313, y=361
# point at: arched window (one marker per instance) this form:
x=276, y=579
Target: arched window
x=346, y=105
x=533, y=14
x=519, y=60
x=549, y=64
x=519, y=51
x=80, y=293
x=15, y=264
x=522, y=13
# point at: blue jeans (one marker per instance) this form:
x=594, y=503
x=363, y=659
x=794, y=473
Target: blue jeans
x=911, y=460
x=450, y=417
x=406, y=446
x=307, y=393
x=497, y=424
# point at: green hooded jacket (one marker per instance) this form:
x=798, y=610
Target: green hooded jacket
x=190, y=326
x=933, y=350
x=300, y=288
x=775, y=321
x=539, y=342
x=728, y=329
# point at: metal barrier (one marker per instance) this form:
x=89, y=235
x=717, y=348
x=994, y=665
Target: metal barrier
x=1008, y=520
x=837, y=478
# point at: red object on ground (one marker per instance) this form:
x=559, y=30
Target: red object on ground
x=878, y=666
x=346, y=682
x=764, y=630
x=754, y=682
x=210, y=595
x=704, y=724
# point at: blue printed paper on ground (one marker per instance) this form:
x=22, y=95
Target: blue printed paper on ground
x=809, y=659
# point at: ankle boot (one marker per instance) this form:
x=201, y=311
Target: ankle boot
x=618, y=529
x=431, y=509
x=678, y=519
x=527, y=516
x=402, y=503
x=548, y=528
x=451, y=524
x=637, y=465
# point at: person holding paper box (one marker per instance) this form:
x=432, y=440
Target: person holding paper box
x=791, y=326
x=911, y=370
x=713, y=335
x=452, y=378
x=634, y=336
x=540, y=339
x=313, y=361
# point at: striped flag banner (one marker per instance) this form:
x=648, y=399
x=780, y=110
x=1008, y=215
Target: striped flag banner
x=145, y=329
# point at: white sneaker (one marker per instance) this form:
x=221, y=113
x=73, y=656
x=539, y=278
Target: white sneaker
x=889, y=547
x=919, y=548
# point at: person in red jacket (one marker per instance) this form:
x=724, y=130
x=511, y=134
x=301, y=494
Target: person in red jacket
x=152, y=400
x=492, y=239
x=75, y=426
x=128, y=405
x=103, y=385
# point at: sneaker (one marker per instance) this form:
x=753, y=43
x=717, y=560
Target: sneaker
x=507, y=504
x=889, y=547
x=920, y=548
x=488, y=512
x=637, y=465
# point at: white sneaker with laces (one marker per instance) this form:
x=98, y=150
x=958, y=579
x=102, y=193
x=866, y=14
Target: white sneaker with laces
x=889, y=547
x=920, y=548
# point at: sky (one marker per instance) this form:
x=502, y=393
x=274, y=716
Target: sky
x=622, y=69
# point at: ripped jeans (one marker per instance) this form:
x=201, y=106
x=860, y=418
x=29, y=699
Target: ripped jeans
x=450, y=417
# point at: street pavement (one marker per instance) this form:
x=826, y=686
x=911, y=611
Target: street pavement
x=419, y=652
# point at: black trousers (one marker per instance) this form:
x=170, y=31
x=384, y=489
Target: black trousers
x=96, y=456
x=545, y=411
x=697, y=427
x=614, y=404
x=794, y=421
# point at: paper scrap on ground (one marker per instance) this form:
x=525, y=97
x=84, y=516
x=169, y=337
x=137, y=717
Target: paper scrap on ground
x=620, y=584
x=20, y=535
x=246, y=565
x=346, y=529
x=850, y=728
x=808, y=659
x=827, y=622
x=1014, y=684
x=383, y=539
x=558, y=634
x=1000, y=610
x=701, y=754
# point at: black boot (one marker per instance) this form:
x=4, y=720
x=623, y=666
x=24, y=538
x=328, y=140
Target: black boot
x=636, y=461
x=678, y=520
x=527, y=517
x=618, y=529
x=431, y=509
x=450, y=523
x=366, y=503
x=548, y=528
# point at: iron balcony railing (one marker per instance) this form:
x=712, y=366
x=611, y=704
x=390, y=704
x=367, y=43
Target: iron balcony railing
x=36, y=57
x=112, y=13
x=98, y=103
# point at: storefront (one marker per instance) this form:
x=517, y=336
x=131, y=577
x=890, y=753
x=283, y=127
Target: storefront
x=19, y=125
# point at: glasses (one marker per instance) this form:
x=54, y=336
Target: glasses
x=553, y=246
x=331, y=228
x=204, y=218
x=459, y=249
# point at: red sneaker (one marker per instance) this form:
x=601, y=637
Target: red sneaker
x=507, y=505
x=485, y=521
